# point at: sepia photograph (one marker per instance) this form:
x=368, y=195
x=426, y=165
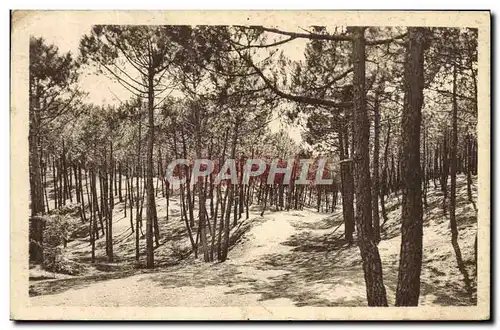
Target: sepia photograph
x=250, y=165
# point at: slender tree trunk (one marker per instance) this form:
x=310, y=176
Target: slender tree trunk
x=138, y=219
x=445, y=169
x=120, y=196
x=82, y=199
x=103, y=177
x=385, y=185
x=89, y=200
x=376, y=181
x=54, y=185
x=424, y=167
x=45, y=186
x=151, y=204
x=184, y=213
x=190, y=203
x=202, y=214
x=230, y=190
x=93, y=219
x=222, y=204
x=60, y=185
x=95, y=204
x=453, y=188
x=266, y=193
x=128, y=198
x=468, y=170
x=91, y=215
x=182, y=200
x=347, y=183
x=111, y=204
x=66, y=189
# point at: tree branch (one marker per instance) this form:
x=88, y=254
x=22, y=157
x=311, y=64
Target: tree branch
x=384, y=41
x=296, y=98
x=123, y=82
x=308, y=35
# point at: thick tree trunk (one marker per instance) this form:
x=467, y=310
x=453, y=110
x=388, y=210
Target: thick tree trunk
x=372, y=266
x=36, y=186
x=410, y=263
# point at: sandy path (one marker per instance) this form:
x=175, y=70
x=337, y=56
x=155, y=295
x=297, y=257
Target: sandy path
x=231, y=283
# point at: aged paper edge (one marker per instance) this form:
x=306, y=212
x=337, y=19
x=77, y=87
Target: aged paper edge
x=25, y=22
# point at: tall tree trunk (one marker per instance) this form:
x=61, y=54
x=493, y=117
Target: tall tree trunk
x=151, y=204
x=375, y=183
x=103, y=177
x=247, y=194
x=111, y=204
x=93, y=219
x=190, y=203
x=66, y=189
x=82, y=197
x=445, y=169
x=372, y=266
x=45, y=186
x=95, y=203
x=453, y=189
x=468, y=170
x=347, y=183
x=91, y=214
x=266, y=193
x=424, y=167
x=138, y=218
x=385, y=185
x=230, y=191
x=128, y=197
x=120, y=196
x=202, y=214
x=410, y=263
x=36, y=186
x=55, y=188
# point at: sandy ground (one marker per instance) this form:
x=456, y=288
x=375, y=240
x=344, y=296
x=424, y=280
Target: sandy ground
x=197, y=284
x=289, y=258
